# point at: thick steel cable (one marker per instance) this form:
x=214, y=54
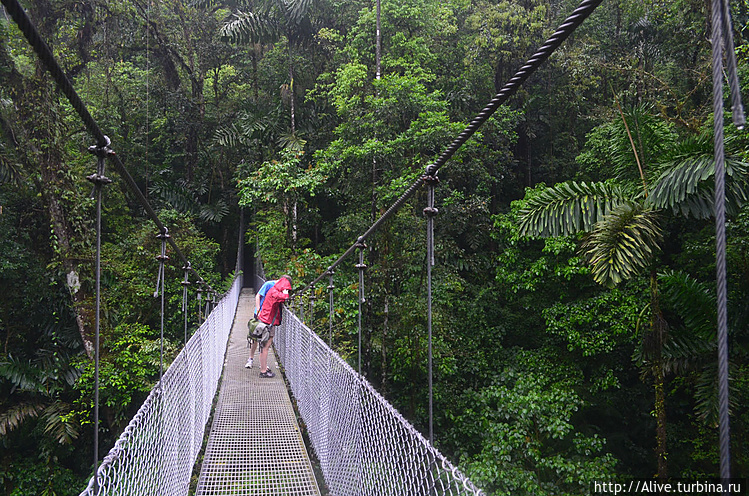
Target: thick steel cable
x=45, y=54
x=717, y=21
x=572, y=22
x=737, y=107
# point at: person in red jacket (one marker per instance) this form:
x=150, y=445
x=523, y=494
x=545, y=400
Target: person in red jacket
x=270, y=314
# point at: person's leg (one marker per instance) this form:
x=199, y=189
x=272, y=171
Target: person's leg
x=264, y=355
x=253, y=347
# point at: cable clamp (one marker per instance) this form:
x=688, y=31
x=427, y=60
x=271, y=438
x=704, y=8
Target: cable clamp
x=431, y=171
x=99, y=179
x=431, y=211
x=102, y=151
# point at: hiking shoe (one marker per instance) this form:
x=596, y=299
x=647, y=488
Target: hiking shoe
x=248, y=365
x=268, y=374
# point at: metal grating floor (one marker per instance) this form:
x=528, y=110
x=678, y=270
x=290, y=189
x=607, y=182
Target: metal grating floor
x=254, y=447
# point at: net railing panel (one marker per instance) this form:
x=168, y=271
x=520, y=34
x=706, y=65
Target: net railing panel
x=364, y=446
x=156, y=452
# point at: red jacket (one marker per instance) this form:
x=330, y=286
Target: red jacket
x=271, y=309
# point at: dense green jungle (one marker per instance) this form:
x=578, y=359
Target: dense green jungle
x=574, y=278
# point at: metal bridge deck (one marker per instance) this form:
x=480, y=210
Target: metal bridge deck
x=254, y=447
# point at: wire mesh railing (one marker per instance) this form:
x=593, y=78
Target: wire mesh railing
x=364, y=446
x=156, y=452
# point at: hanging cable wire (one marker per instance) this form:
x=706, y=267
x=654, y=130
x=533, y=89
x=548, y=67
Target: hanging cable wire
x=162, y=258
x=430, y=212
x=722, y=38
x=360, y=266
x=331, y=287
x=185, y=285
x=99, y=180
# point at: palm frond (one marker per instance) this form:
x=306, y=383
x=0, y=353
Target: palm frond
x=61, y=424
x=692, y=300
x=250, y=27
x=179, y=198
x=229, y=136
x=17, y=414
x=214, y=213
x=568, y=208
x=23, y=375
x=622, y=243
x=244, y=129
x=682, y=353
x=706, y=394
x=686, y=182
x=296, y=10
x=651, y=136
x=292, y=142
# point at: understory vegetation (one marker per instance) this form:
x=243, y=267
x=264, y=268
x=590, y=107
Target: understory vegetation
x=574, y=292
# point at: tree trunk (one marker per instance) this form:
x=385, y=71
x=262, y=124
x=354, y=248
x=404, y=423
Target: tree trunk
x=36, y=140
x=291, y=93
x=659, y=332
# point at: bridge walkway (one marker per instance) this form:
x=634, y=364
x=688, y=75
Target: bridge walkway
x=254, y=447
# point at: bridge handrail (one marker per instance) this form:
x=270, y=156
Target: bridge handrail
x=364, y=445
x=157, y=450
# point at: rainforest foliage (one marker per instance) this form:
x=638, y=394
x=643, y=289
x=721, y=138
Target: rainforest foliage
x=574, y=278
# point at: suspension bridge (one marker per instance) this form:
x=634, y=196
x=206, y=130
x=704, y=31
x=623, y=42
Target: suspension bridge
x=362, y=445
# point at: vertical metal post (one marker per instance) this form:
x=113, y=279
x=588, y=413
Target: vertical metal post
x=185, y=285
x=312, y=299
x=200, y=303
x=430, y=212
x=162, y=258
x=99, y=180
x=360, y=246
x=331, y=287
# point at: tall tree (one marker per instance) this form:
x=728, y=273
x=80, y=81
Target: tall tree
x=623, y=228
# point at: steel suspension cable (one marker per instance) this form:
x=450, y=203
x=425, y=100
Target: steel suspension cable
x=45, y=54
x=720, y=34
x=572, y=22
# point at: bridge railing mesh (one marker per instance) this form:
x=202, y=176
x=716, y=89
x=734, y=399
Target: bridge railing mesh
x=364, y=446
x=156, y=452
